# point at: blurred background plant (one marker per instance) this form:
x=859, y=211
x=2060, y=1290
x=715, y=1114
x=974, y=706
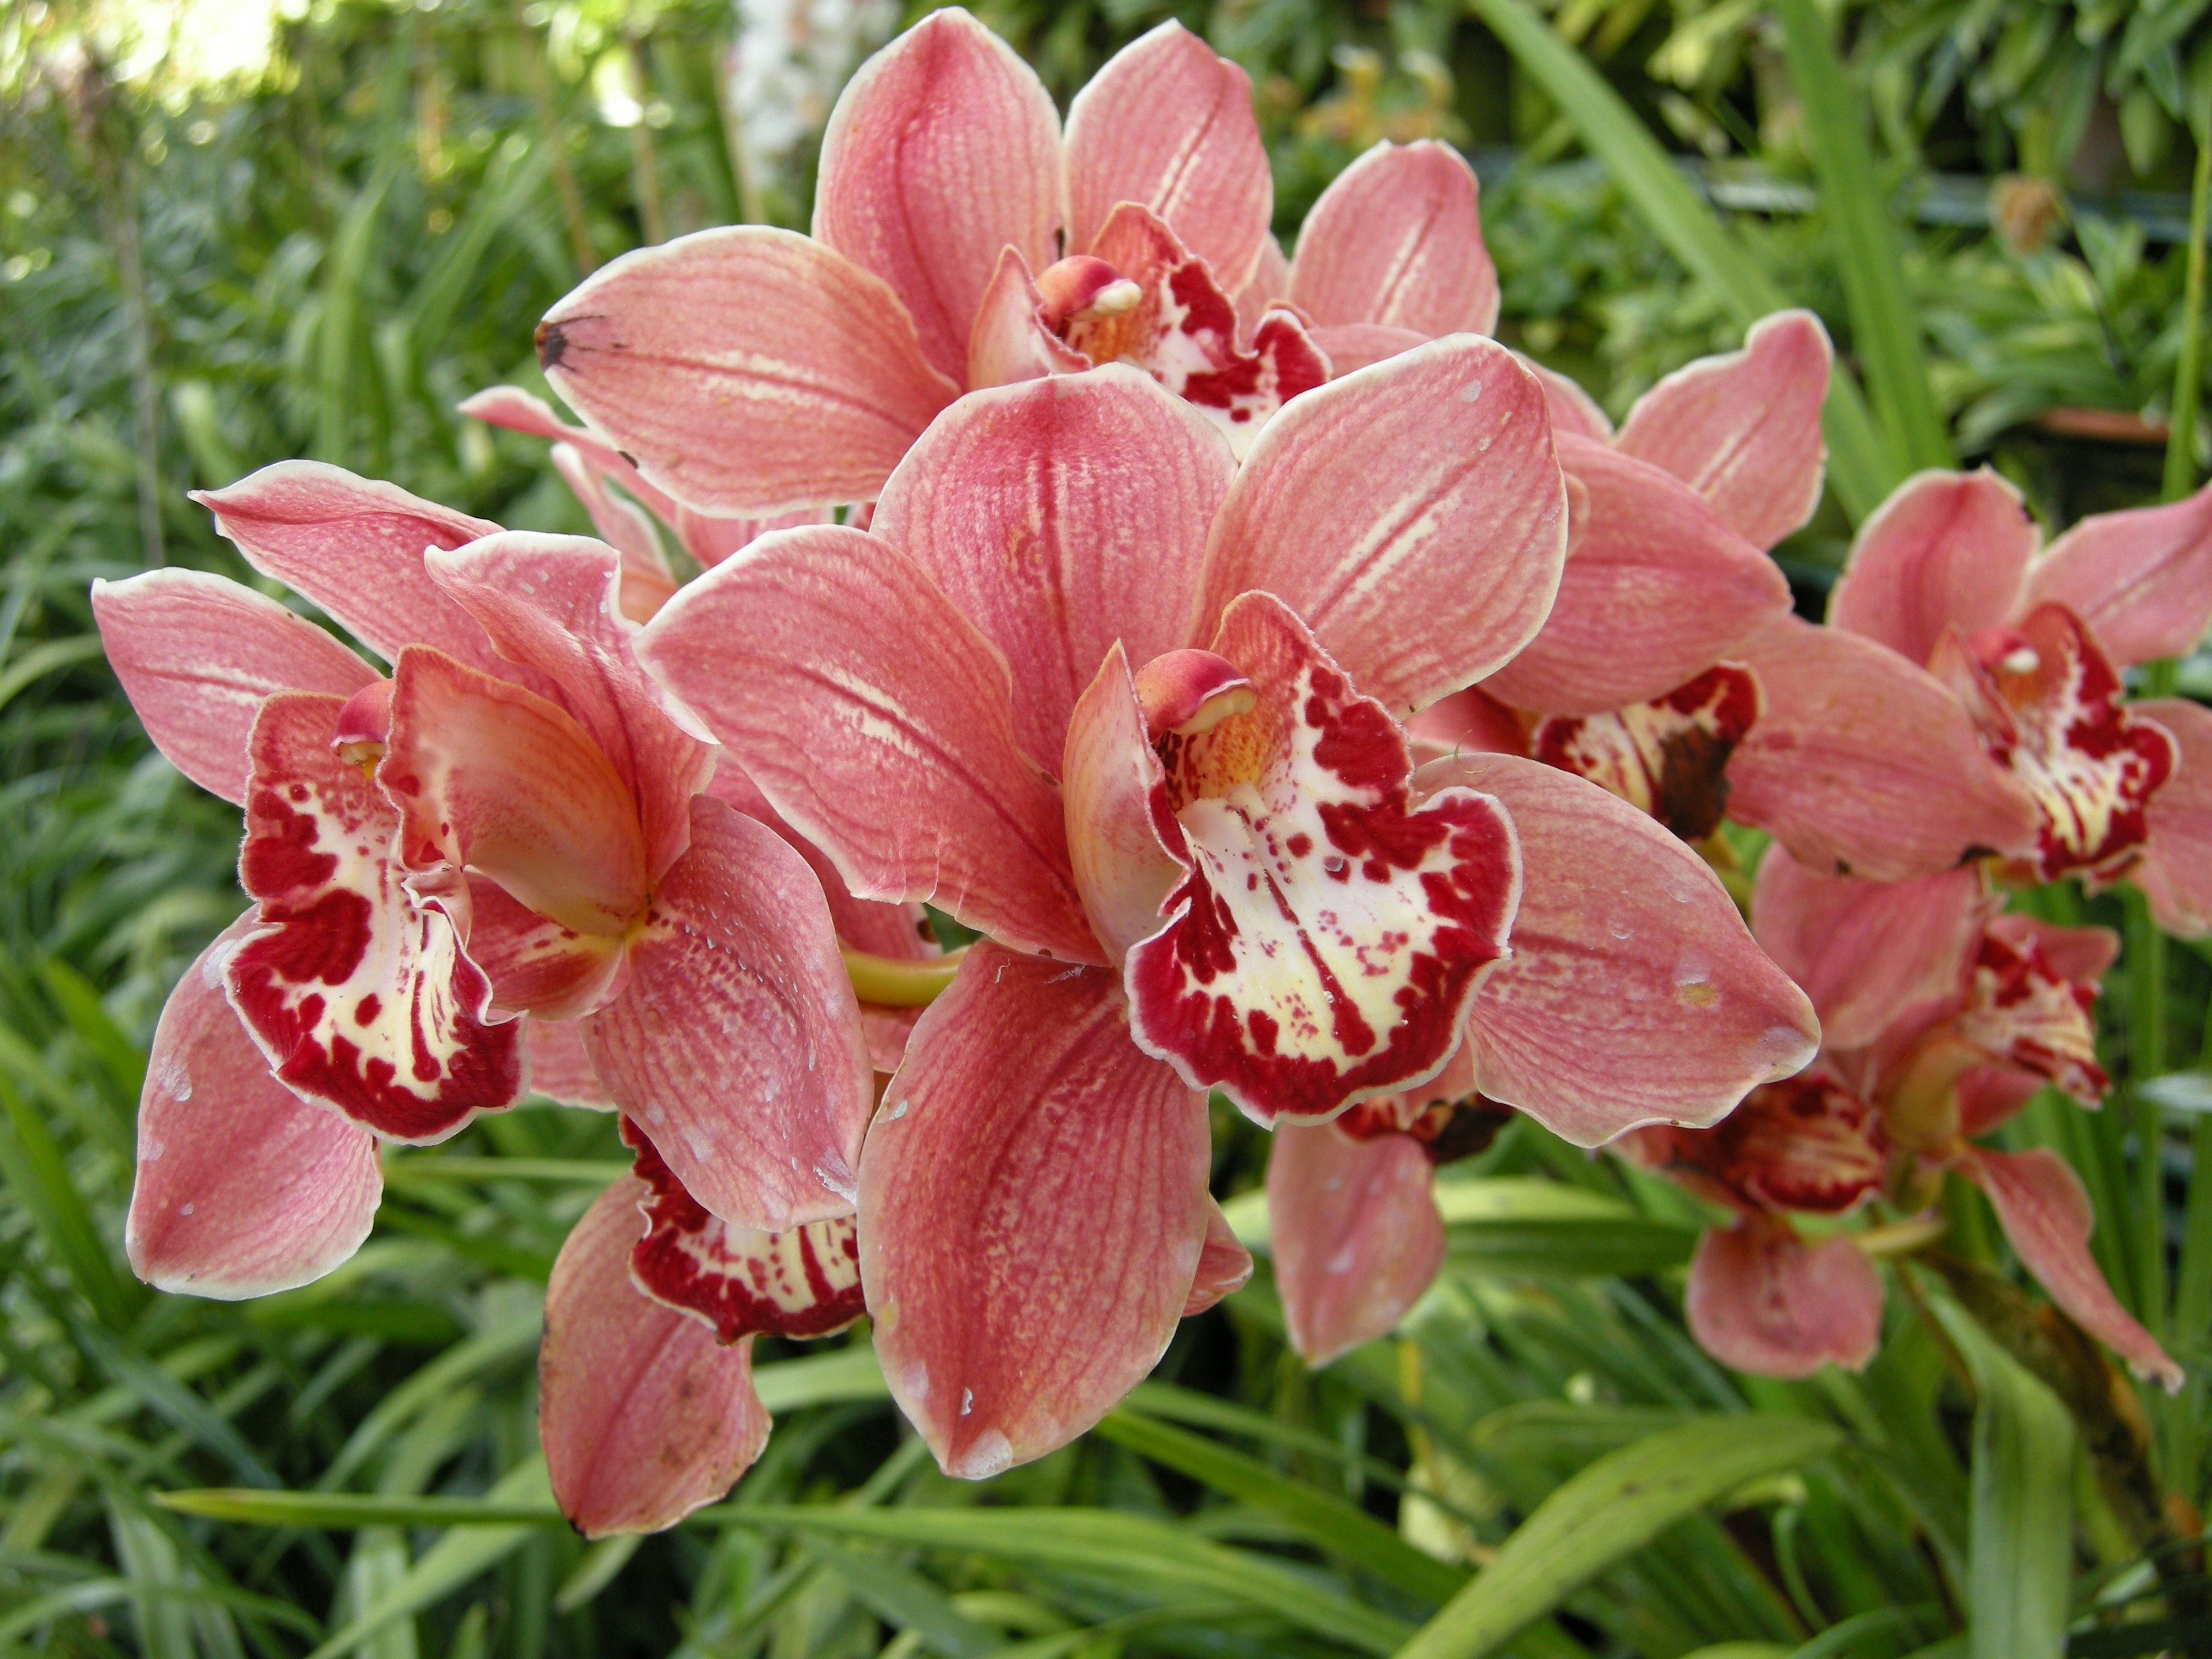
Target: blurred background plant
x=231, y=234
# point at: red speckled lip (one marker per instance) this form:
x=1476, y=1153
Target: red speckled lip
x=1668, y=757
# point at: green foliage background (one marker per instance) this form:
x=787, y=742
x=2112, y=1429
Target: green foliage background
x=194, y=282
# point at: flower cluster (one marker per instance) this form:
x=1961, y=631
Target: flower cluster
x=1304, y=698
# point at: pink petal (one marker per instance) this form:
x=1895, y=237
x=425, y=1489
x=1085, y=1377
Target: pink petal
x=1869, y=953
x=749, y=370
x=1991, y=1095
x=2022, y=1012
x=1743, y=430
x=355, y=547
x=197, y=653
x=1033, y=1213
x=643, y=1415
x=737, y=1045
x=1268, y=286
x=511, y=407
x=1412, y=513
x=359, y=994
x=711, y=540
x=1167, y=124
x=2045, y=1214
x=1764, y=1301
x=2175, y=870
x=1353, y=1227
x=621, y=524
x=1350, y=346
x=1323, y=947
x=1657, y=590
x=535, y=965
x=547, y=602
x=879, y=721
x=1123, y=856
x=739, y=1282
x=1010, y=341
x=1395, y=240
x=1057, y=516
x=243, y=1188
x=495, y=778
x=560, y=1069
x=1575, y=413
x=1633, y=992
x=2142, y=580
x=2083, y=955
x=1225, y=1265
x=942, y=150
x=1945, y=549
x=1465, y=720
x=1865, y=763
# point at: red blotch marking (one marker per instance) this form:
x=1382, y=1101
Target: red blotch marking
x=1805, y=1144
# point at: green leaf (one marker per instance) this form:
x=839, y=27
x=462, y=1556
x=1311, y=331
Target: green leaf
x=821, y=1380
x=1344, y=1531
x=902, y=1597
x=1099, y=1543
x=342, y=1512
x=2021, y=1556
x=34, y=1167
x=1518, y=1224
x=1885, y=324
x=595, y=1571
x=1859, y=469
x=1608, y=1511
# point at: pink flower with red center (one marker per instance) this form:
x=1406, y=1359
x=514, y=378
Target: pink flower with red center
x=1126, y=707
x=1940, y=1018
x=513, y=824
x=959, y=241
x=2001, y=667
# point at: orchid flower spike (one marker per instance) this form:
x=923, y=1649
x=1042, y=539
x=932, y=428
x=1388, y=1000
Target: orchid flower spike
x=504, y=859
x=1127, y=707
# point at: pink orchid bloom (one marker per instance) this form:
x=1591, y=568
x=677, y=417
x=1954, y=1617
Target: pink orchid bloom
x=1964, y=700
x=959, y=241
x=1126, y=707
x=1940, y=1017
x=1633, y=682
x=511, y=825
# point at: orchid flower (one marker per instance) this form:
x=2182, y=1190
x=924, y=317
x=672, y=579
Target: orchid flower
x=1940, y=1018
x=1126, y=708
x=754, y=371
x=1634, y=682
x=513, y=824
x=1965, y=700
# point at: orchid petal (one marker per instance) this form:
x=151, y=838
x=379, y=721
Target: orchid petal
x=1010, y=341
x=1122, y=854
x=749, y=370
x=1411, y=513
x=2175, y=869
x=2083, y=955
x=560, y=1068
x=1805, y=1144
x=197, y=653
x=643, y=1415
x=1764, y=1301
x=1668, y=757
x=495, y=778
x=1465, y=720
x=943, y=149
x=1743, y=430
x=1033, y=1212
x=880, y=723
x=548, y=602
x=737, y=1045
x=1225, y=1265
x=511, y=407
x=1869, y=953
x=1268, y=287
x=360, y=994
x=355, y=547
x=623, y=526
x=1575, y=413
x=1634, y=992
x=711, y=540
x=2045, y=1214
x=1353, y=1227
x=1325, y=942
x=1395, y=240
x=1058, y=515
x=243, y=1188
x=2142, y=580
x=536, y=965
x=1657, y=590
x=1865, y=764
x=1947, y=549
x=1350, y=346
x=1168, y=125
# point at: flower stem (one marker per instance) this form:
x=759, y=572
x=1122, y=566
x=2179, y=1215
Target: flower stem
x=2181, y=419
x=891, y=983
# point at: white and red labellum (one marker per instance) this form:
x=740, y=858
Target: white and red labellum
x=803, y=1283
x=359, y=993
x=1804, y=1144
x=1325, y=942
x=1668, y=757
x=2047, y=703
x=2022, y=1011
